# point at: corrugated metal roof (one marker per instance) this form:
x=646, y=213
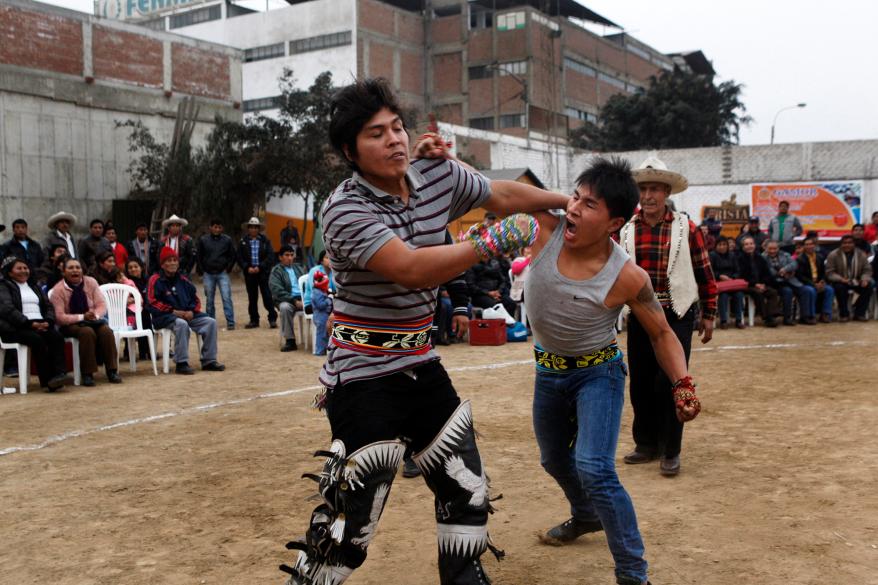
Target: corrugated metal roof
x=513, y=175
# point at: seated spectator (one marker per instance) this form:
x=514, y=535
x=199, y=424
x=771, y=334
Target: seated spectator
x=811, y=272
x=27, y=317
x=321, y=303
x=858, y=232
x=81, y=312
x=105, y=264
x=798, y=248
x=783, y=279
x=848, y=270
x=22, y=246
x=283, y=282
x=173, y=304
x=51, y=272
x=725, y=267
x=119, y=251
x=323, y=265
x=136, y=274
x=870, y=233
x=92, y=244
x=753, y=268
x=709, y=239
x=488, y=283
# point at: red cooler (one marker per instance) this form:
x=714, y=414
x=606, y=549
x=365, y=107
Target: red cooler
x=487, y=332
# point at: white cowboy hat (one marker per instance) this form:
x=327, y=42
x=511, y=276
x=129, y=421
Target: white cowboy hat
x=174, y=219
x=253, y=221
x=653, y=170
x=61, y=215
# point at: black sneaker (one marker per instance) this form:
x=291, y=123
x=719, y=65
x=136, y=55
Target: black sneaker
x=290, y=345
x=409, y=469
x=114, y=377
x=56, y=383
x=230, y=327
x=213, y=367
x=184, y=369
x=272, y=324
x=88, y=380
x=570, y=530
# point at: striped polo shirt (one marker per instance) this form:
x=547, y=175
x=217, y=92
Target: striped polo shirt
x=358, y=219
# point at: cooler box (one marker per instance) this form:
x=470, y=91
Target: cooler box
x=487, y=332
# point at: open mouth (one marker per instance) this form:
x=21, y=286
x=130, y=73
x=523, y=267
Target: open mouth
x=570, y=230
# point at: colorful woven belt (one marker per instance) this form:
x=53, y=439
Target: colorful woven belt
x=381, y=337
x=561, y=364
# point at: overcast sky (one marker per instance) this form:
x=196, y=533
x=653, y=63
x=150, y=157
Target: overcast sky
x=783, y=51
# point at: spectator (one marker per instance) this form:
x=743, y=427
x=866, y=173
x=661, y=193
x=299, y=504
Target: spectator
x=733, y=247
x=752, y=230
x=22, y=246
x=815, y=235
x=92, y=245
x=709, y=240
x=321, y=302
x=119, y=251
x=256, y=257
x=180, y=243
x=490, y=219
x=59, y=225
x=325, y=267
x=284, y=284
x=858, y=232
x=81, y=311
x=488, y=283
x=145, y=248
x=783, y=278
x=811, y=272
x=714, y=226
x=137, y=275
x=215, y=258
x=289, y=236
x=754, y=269
x=784, y=227
x=105, y=263
x=51, y=271
x=173, y=304
x=725, y=267
x=798, y=249
x=848, y=270
x=27, y=317
x=870, y=233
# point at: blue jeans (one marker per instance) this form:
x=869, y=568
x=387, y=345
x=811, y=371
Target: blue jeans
x=810, y=299
x=587, y=471
x=786, y=295
x=807, y=301
x=225, y=286
x=737, y=304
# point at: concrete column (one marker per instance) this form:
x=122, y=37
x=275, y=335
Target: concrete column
x=167, y=66
x=87, y=58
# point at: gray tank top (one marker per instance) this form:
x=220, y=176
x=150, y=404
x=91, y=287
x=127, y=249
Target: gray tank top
x=568, y=317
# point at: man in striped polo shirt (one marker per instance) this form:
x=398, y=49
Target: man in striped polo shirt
x=384, y=230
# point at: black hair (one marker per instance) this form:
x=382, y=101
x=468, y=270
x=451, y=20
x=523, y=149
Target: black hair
x=94, y=221
x=108, y=227
x=812, y=234
x=139, y=263
x=847, y=237
x=721, y=240
x=19, y=221
x=321, y=256
x=856, y=225
x=141, y=225
x=101, y=256
x=54, y=247
x=610, y=179
x=787, y=203
x=874, y=213
x=490, y=215
x=216, y=221
x=11, y=261
x=286, y=248
x=354, y=105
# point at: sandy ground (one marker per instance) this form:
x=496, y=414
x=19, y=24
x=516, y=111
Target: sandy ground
x=196, y=480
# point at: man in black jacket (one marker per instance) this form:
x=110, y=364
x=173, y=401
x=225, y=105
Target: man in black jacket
x=145, y=248
x=488, y=283
x=92, y=245
x=215, y=257
x=256, y=258
x=22, y=246
x=811, y=272
x=753, y=268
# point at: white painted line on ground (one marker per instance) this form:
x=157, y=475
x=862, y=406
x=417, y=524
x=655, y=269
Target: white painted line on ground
x=214, y=405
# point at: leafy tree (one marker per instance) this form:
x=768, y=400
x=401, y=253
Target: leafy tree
x=677, y=110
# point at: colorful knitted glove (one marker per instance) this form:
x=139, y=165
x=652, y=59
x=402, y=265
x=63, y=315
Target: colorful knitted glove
x=687, y=403
x=510, y=233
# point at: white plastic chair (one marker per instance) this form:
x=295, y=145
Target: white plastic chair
x=116, y=296
x=751, y=309
x=74, y=351
x=166, y=334
x=23, y=362
x=307, y=331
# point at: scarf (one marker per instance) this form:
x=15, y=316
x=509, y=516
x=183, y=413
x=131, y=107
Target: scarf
x=78, y=300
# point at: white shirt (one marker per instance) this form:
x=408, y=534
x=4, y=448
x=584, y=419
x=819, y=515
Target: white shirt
x=174, y=243
x=70, y=247
x=30, y=302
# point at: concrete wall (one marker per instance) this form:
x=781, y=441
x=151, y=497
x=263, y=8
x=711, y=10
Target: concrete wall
x=66, y=78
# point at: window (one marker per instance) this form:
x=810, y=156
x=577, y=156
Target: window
x=154, y=24
x=582, y=68
x=512, y=121
x=639, y=52
x=663, y=64
x=450, y=10
x=481, y=72
x=551, y=24
x=511, y=21
x=580, y=115
x=260, y=104
x=615, y=82
x=320, y=42
x=513, y=68
x=207, y=14
x=482, y=123
x=264, y=52
x=480, y=18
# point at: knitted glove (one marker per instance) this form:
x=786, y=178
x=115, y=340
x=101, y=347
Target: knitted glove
x=510, y=233
x=688, y=405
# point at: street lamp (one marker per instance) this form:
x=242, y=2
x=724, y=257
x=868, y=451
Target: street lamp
x=801, y=105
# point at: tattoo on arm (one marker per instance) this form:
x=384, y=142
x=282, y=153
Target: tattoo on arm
x=646, y=297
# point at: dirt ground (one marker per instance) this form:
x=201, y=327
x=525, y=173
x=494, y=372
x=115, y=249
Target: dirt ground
x=195, y=480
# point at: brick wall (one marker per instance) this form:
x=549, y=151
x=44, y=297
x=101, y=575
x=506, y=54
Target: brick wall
x=479, y=45
x=411, y=72
x=380, y=60
x=199, y=72
x=40, y=41
x=409, y=28
x=447, y=73
x=376, y=16
x=512, y=45
x=125, y=56
x=446, y=29
x=581, y=87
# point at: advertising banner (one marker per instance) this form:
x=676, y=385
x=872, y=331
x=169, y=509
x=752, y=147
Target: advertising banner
x=138, y=9
x=831, y=208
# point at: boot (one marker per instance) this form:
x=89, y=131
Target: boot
x=570, y=530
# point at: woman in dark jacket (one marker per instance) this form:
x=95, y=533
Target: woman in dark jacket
x=725, y=267
x=753, y=268
x=27, y=317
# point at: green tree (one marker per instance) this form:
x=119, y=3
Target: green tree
x=677, y=110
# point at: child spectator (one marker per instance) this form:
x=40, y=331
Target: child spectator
x=321, y=304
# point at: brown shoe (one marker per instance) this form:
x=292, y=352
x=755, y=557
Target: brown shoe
x=636, y=457
x=740, y=325
x=670, y=466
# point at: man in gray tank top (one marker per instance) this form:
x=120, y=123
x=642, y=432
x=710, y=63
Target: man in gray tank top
x=583, y=279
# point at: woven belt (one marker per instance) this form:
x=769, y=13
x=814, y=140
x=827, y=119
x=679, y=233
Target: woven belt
x=552, y=362
x=380, y=337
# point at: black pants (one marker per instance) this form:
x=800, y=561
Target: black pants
x=861, y=307
x=656, y=428
x=47, y=349
x=256, y=284
x=486, y=301
x=767, y=302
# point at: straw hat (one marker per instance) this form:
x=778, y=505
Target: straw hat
x=61, y=215
x=653, y=170
x=174, y=219
x=253, y=221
